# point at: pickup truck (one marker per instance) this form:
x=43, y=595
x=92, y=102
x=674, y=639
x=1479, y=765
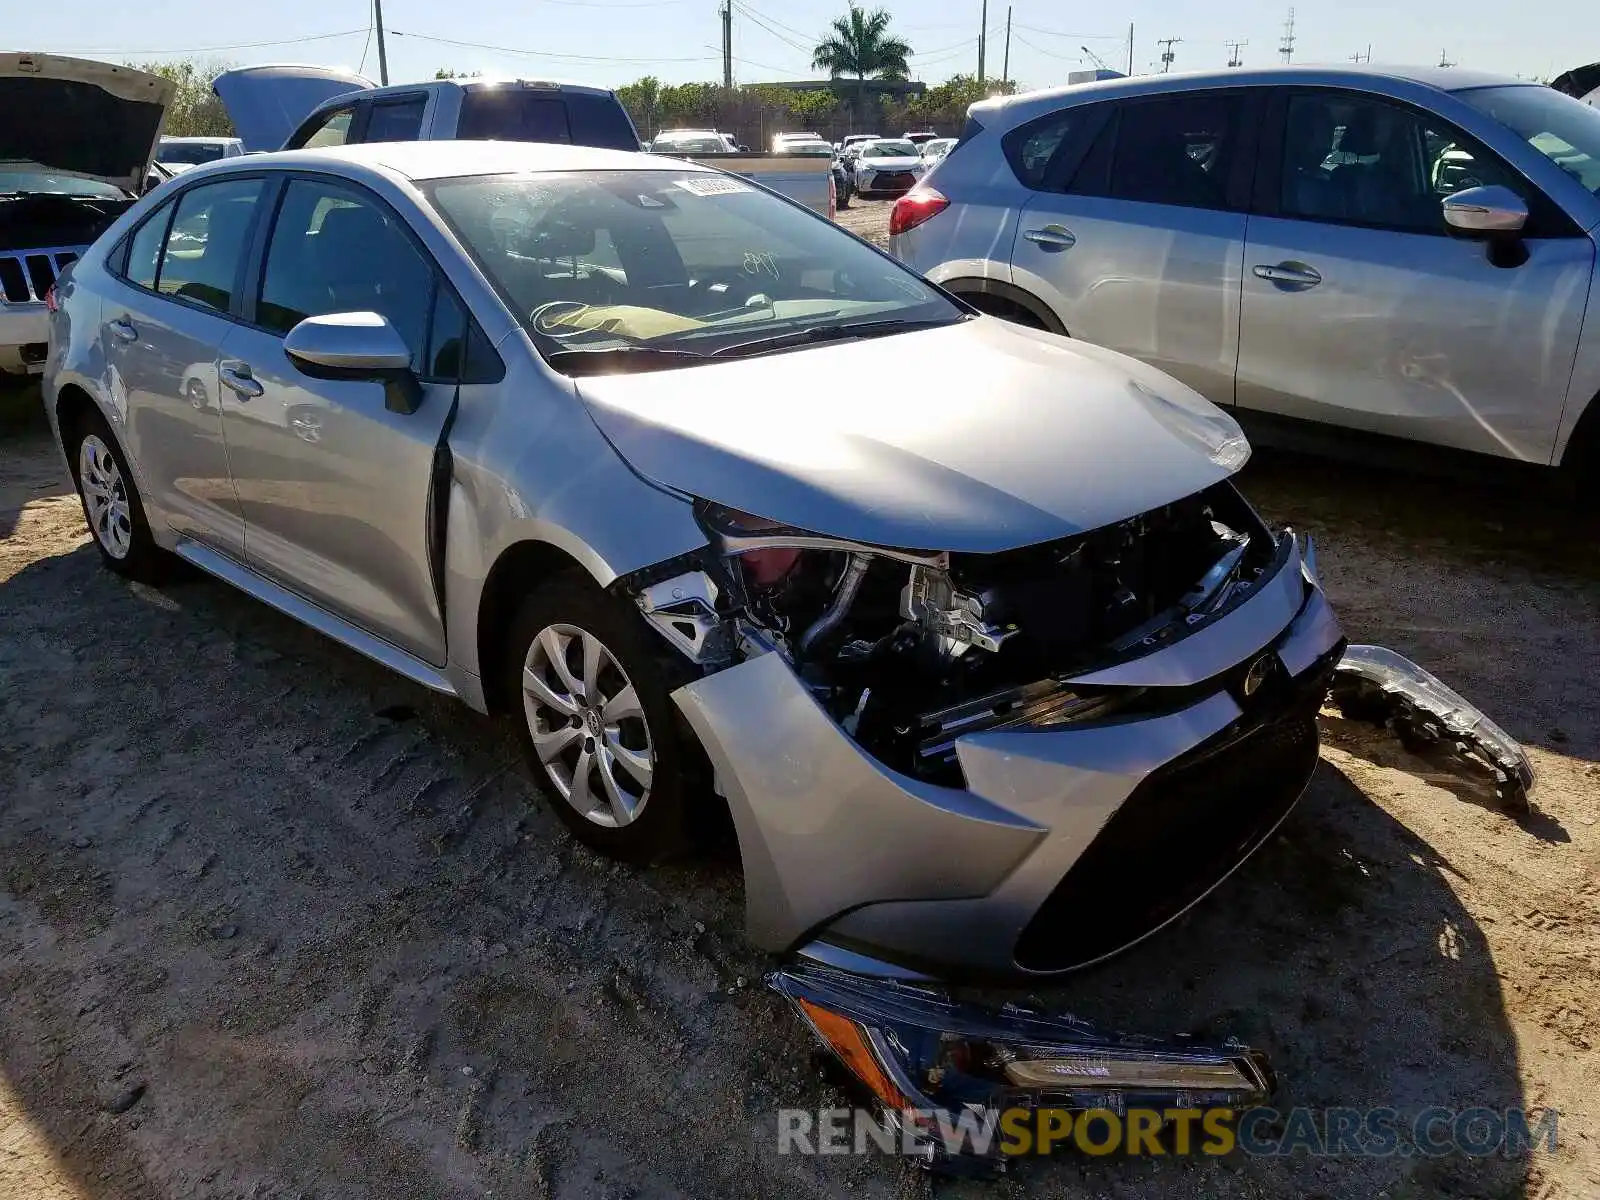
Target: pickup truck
x=296, y=107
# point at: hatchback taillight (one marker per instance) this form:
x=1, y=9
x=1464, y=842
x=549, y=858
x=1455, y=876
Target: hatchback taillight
x=50, y=301
x=915, y=207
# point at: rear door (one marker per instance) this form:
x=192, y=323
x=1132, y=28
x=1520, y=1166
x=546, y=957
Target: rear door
x=1138, y=244
x=333, y=486
x=165, y=323
x=1361, y=308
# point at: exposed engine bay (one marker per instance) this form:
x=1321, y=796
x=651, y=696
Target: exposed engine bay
x=907, y=650
x=44, y=220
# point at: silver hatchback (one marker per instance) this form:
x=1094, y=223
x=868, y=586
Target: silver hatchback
x=1404, y=253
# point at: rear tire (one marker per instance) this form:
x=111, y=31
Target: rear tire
x=615, y=758
x=111, y=504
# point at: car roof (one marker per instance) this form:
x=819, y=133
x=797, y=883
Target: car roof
x=1445, y=79
x=447, y=159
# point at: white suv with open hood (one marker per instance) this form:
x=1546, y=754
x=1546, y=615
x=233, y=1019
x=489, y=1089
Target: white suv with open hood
x=76, y=139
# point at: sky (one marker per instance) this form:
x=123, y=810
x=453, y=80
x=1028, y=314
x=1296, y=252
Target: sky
x=612, y=42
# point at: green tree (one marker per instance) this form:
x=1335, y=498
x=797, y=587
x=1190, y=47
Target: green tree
x=195, y=110
x=859, y=44
x=642, y=99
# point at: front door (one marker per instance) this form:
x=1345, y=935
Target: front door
x=333, y=486
x=1362, y=309
x=163, y=328
x=1141, y=249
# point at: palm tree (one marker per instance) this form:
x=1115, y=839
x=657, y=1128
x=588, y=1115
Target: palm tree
x=859, y=44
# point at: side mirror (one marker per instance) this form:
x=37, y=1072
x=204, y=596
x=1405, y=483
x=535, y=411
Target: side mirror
x=356, y=345
x=1486, y=210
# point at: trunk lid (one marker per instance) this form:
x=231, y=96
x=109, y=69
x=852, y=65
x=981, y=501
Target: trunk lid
x=88, y=119
x=267, y=104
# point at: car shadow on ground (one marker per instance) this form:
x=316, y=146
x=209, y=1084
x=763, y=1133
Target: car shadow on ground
x=274, y=919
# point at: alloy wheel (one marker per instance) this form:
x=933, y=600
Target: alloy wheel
x=588, y=728
x=105, y=496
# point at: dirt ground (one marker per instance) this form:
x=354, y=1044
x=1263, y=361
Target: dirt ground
x=276, y=924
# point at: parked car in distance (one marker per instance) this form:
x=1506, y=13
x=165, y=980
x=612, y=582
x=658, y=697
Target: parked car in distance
x=1401, y=253
x=920, y=138
x=779, y=140
x=692, y=141
x=311, y=107
x=64, y=180
x=553, y=430
x=934, y=151
x=180, y=153
x=887, y=167
x=855, y=141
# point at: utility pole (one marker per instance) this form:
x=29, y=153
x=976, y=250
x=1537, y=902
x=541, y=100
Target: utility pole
x=1130, y=49
x=1286, y=44
x=983, y=40
x=727, y=44
x=1360, y=57
x=1444, y=60
x=383, y=54
x=1233, y=52
x=1005, y=62
x=1167, y=55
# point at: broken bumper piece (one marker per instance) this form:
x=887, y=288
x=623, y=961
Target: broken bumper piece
x=944, y=1071
x=1373, y=683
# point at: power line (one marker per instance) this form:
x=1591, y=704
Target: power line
x=1082, y=37
x=314, y=37
x=597, y=58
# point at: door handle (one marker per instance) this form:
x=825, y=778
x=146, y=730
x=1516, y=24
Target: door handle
x=122, y=329
x=1051, y=237
x=237, y=378
x=1290, y=275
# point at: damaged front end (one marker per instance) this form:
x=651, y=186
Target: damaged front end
x=944, y=1071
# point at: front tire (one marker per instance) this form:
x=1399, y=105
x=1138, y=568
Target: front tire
x=111, y=503
x=619, y=764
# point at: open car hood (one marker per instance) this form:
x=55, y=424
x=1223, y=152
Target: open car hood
x=84, y=118
x=1012, y=437
x=267, y=104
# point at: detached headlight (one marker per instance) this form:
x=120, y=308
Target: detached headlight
x=930, y=1061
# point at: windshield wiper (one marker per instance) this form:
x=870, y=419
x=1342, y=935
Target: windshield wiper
x=838, y=332
x=620, y=360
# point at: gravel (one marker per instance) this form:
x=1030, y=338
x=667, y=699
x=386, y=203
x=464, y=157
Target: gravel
x=217, y=889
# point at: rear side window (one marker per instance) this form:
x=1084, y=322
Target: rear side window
x=331, y=129
x=600, y=121
x=144, y=248
x=396, y=121
x=1030, y=148
x=206, y=245
x=1176, y=150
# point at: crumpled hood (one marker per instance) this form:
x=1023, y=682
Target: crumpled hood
x=976, y=437
x=84, y=118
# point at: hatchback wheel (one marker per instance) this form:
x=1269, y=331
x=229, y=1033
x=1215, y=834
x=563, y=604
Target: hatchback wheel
x=597, y=722
x=111, y=503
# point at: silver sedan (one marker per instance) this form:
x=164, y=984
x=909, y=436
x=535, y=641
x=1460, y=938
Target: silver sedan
x=554, y=430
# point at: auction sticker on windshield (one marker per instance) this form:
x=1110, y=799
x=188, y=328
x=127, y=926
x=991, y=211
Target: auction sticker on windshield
x=714, y=185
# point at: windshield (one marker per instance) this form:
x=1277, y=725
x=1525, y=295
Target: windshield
x=192, y=153
x=890, y=150
x=671, y=261
x=1564, y=130
x=15, y=179
x=709, y=144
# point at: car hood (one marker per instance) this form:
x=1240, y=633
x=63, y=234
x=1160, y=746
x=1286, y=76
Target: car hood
x=890, y=164
x=1013, y=437
x=89, y=119
x=267, y=104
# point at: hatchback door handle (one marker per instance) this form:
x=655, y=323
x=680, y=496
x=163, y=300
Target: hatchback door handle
x=1293, y=275
x=122, y=329
x=236, y=376
x=1051, y=237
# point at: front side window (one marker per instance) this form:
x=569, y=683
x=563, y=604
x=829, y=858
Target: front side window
x=1564, y=130
x=1176, y=150
x=1359, y=160
x=207, y=242
x=335, y=250
x=396, y=121
x=672, y=260
x=331, y=130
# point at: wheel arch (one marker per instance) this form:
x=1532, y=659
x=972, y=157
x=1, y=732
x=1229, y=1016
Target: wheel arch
x=996, y=296
x=72, y=405
x=521, y=567
x=1581, y=455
